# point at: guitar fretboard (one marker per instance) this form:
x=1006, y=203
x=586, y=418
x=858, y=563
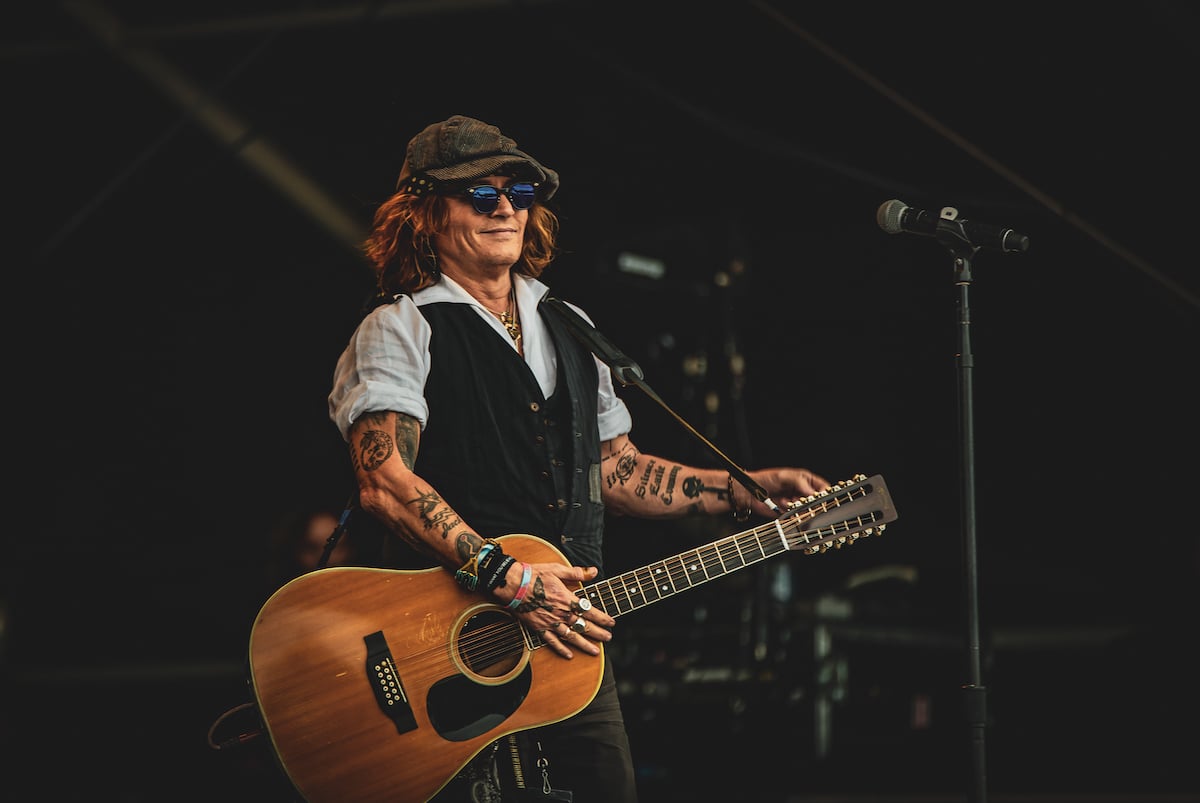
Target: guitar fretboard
x=648, y=584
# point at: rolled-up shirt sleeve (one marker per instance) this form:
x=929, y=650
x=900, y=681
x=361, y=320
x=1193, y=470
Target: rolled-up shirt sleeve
x=612, y=414
x=383, y=367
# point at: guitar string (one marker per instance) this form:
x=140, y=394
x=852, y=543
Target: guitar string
x=491, y=643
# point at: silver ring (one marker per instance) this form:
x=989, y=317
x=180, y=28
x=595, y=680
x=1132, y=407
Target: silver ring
x=581, y=605
x=579, y=625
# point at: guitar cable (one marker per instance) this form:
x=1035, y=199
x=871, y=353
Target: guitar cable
x=235, y=741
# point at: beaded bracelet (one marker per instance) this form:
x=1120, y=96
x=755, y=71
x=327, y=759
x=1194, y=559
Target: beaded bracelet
x=738, y=515
x=523, y=589
x=468, y=575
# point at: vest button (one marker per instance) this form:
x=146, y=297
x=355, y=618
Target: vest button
x=539, y=439
x=534, y=407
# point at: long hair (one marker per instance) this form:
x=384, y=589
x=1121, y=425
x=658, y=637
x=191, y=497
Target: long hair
x=399, y=247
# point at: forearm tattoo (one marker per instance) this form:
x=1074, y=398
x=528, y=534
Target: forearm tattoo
x=373, y=448
x=693, y=487
x=620, y=465
x=653, y=480
x=467, y=545
x=434, y=514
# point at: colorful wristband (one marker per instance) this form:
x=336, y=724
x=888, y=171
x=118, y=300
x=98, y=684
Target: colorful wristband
x=523, y=589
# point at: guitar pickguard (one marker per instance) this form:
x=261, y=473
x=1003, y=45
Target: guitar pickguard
x=489, y=647
x=460, y=709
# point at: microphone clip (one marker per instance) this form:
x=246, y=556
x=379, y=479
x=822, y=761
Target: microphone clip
x=950, y=232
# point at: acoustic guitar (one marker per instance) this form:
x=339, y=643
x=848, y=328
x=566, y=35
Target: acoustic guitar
x=382, y=684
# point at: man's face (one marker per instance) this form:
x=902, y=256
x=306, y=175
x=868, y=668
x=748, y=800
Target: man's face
x=474, y=240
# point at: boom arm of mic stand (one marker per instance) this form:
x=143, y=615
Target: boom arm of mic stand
x=629, y=372
x=736, y=471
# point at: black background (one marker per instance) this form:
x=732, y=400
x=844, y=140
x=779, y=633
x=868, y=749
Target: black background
x=176, y=314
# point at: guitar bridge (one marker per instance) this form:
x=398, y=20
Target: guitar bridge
x=385, y=681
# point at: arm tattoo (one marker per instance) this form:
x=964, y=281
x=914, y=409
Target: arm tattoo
x=536, y=598
x=468, y=544
x=694, y=486
x=621, y=465
x=650, y=474
x=434, y=514
x=668, y=495
x=374, y=445
x=373, y=448
x=407, y=433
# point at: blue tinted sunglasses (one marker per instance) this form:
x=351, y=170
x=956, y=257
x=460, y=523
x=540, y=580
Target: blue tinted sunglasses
x=485, y=198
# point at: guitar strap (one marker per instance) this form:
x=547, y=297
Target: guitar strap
x=628, y=372
x=336, y=535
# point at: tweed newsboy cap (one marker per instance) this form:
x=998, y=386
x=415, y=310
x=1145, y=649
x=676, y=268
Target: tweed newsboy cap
x=464, y=149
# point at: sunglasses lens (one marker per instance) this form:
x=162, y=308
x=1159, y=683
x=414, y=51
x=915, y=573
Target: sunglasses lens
x=521, y=195
x=484, y=199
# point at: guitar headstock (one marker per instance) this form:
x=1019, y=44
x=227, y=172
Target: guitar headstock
x=839, y=515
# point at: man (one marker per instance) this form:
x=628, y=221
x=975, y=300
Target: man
x=472, y=413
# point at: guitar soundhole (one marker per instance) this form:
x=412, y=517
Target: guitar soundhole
x=491, y=644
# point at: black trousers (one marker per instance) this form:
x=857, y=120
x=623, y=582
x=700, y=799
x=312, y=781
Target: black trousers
x=583, y=759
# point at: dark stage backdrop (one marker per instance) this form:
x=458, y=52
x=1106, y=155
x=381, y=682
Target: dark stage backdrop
x=187, y=184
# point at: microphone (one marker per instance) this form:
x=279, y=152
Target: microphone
x=896, y=216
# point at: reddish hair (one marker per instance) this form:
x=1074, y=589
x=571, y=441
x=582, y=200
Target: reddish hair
x=399, y=247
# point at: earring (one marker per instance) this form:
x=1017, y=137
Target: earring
x=427, y=259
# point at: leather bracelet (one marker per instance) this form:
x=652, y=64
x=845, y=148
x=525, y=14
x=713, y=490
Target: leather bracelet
x=498, y=577
x=738, y=515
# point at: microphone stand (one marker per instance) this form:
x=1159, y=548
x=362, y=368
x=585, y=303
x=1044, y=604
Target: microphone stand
x=950, y=234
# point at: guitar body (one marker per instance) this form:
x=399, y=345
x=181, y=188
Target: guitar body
x=382, y=684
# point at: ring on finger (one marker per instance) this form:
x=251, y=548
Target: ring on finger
x=579, y=625
x=581, y=605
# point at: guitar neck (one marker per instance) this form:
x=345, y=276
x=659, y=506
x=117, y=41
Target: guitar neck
x=666, y=578
x=840, y=515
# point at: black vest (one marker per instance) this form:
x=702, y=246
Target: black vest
x=506, y=458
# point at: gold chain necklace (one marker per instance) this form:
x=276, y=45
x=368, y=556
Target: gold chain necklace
x=508, y=317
